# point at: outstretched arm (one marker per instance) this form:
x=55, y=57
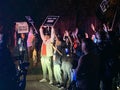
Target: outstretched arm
x=52, y=34
x=93, y=27
x=75, y=35
x=78, y=68
x=41, y=33
x=69, y=37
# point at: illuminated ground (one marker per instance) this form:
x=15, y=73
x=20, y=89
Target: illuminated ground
x=36, y=85
x=33, y=77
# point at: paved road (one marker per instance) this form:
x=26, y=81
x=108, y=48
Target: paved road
x=33, y=77
x=36, y=85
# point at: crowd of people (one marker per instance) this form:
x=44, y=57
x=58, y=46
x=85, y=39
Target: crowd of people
x=72, y=62
x=89, y=63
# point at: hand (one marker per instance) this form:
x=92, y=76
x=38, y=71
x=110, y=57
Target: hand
x=76, y=31
x=86, y=35
x=93, y=27
x=104, y=27
x=66, y=33
x=73, y=35
x=44, y=26
x=52, y=27
x=41, y=26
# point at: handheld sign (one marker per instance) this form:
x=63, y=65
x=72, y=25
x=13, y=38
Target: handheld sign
x=22, y=27
x=104, y=5
x=50, y=20
x=30, y=20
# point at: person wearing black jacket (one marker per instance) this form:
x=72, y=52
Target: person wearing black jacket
x=7, y=66
x=88, y=68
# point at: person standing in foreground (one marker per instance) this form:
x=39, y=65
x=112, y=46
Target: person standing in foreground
x=47, y=53
x=87, y=70
x=7, y=66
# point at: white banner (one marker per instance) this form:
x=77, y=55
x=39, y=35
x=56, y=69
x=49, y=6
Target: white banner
x=22, y=27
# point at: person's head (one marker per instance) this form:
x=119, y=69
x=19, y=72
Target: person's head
x=87, y=45
x=22, y=35
x=66, y=39
x=47, y=36
x=58, y=37
x=93, y=37
x=101, y=35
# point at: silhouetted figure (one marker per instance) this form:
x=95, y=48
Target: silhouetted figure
x=7, y=67
x=87, y=70
x=108, y=60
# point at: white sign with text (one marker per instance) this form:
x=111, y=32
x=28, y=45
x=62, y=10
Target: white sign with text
x=22, y=27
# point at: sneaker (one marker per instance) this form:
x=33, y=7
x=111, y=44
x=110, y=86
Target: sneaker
x=60, y=86
x=51, y=82
x=43, y=80
x=55, y=84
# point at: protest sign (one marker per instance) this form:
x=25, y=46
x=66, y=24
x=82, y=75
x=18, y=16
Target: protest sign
x=22, y=27
x=50, y=20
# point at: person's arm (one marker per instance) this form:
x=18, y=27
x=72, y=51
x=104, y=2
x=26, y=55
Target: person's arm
x=69, y=38
x=79, y=64
x=41, y=33
x=64, y=36
x=52, y=34
x=76, y=32
x=93, y=27
x=105, y=28
x=86, y=35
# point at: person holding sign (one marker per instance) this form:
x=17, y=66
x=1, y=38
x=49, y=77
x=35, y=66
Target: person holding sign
x=22, y=46
x=47, y=53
